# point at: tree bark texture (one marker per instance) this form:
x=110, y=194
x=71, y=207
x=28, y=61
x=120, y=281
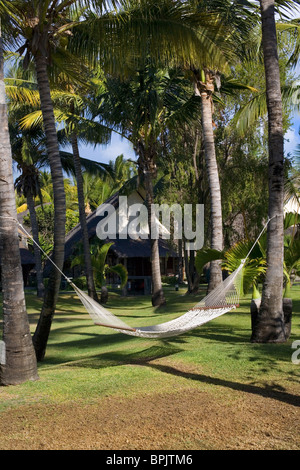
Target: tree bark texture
x=18, y=360
x=270, y=322
x=158, y=297
x=45, y=321
x=37, y=251
x=82, y=217
x=206, y=90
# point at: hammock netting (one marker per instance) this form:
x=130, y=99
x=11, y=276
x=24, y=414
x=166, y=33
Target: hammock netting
x=221, y=300
x=224, y=298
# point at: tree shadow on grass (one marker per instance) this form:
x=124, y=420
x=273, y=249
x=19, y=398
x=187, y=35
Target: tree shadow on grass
x=269, y=391
x=165, y=349
x=118, y=358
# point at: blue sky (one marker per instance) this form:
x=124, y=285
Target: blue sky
x=110, y=152
x=118, y=145
x=292, y=137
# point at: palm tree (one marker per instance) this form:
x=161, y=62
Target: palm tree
x=28, y=184
x=71, y=110
x=270, y=322
x=34, y=28
x=123, y=171
x=141, y=108
x=20, y=361
x=205, y=90
x=29, y=127
x=233, y=21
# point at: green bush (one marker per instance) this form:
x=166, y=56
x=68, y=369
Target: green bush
x=170, y=280
x=80, y=282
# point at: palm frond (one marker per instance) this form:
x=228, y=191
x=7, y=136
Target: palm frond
x=121, y=271
x=207, y=255
x=257, y=106
x=22, y=92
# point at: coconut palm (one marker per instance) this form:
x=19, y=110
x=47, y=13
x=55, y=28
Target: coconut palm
x=270, y=322
x=18, y=364
x=141, y=108
x=30, y=127
x=71, y=110
x=34, y=29
x=28, y=183
x=238, y=22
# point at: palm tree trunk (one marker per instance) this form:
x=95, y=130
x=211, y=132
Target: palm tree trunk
x=206, y=90
x=19, y=364
x=41, y=334
x=37, y=252
x=82, y=217
x=270, y=322
x=158, y=297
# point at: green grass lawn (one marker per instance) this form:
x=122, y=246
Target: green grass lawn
x=85, y=362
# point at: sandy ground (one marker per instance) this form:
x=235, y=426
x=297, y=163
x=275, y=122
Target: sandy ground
x=248, y=417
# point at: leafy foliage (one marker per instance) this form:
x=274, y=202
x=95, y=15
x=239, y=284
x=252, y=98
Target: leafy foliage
x=99, y=253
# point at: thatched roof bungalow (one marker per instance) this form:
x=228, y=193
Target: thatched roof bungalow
x=133, y=253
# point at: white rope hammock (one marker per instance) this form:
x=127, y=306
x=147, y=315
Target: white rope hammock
x=224, y=298
x=221, y=300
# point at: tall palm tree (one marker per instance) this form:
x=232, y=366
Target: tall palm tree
x=35, y=27
x=205, y=90
x=71, y=110
x=142, y=107
x=40, y=29
x=20, y=361
x=28, y=184
x=270, y=322
x=234, y=22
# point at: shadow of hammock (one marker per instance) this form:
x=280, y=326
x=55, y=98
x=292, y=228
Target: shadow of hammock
x=113, y=359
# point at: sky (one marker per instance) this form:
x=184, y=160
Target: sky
x=105, y=153
x=292, y=137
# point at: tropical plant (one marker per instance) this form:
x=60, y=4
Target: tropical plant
x=99, y=253
x=70, y=105
x=18, y=360
x=35, y=28
x=255, y=269
x=233, y=21
x=40, y=30
x=142, y=108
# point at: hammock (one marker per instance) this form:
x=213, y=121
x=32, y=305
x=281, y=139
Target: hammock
x=223, y=299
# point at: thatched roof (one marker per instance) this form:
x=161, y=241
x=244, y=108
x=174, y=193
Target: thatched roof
x=75, y=235
x=127, y=248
